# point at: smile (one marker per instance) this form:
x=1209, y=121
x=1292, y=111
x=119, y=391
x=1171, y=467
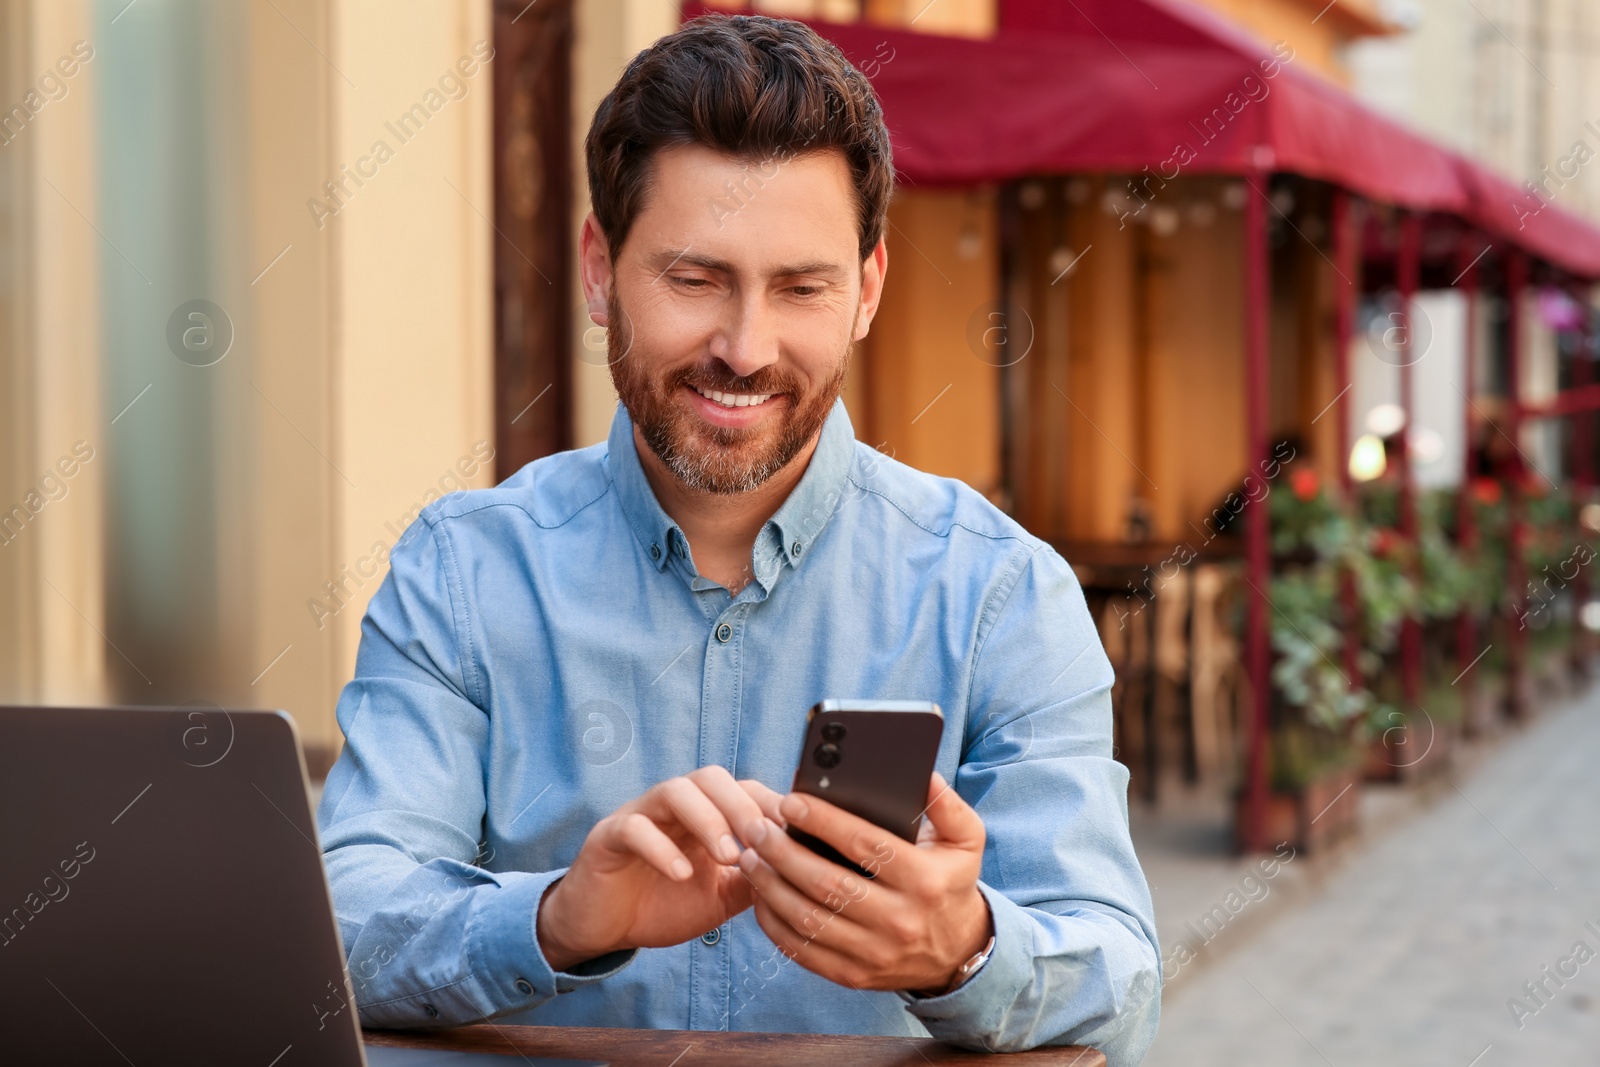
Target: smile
x=733, y=400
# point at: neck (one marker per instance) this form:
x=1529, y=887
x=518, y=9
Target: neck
x=721, y=527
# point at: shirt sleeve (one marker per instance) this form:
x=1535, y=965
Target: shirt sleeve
x=432, y=938
x=1075, y=960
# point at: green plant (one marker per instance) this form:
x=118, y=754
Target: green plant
x=1309, y=641
x=1303, y=753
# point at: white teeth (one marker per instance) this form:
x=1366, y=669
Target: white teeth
x=733, y=400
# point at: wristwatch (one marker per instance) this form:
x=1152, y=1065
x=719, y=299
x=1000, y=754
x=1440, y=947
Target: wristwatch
x=964, y=972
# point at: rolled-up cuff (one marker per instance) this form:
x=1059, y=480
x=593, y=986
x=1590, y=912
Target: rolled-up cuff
x=503, y=941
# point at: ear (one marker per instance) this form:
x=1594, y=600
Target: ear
x=873, y=270
x=595, y=269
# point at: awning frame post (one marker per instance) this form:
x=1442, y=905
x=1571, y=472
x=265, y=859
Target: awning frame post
x=1345, y=223
x=1466, y=515
x=1516, y=652
x=1409, y=271
x=1258, y=563
x=1582, y=464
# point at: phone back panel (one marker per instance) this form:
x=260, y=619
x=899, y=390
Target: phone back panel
x=885, y=751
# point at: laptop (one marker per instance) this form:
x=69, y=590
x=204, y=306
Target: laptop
x=163, y=898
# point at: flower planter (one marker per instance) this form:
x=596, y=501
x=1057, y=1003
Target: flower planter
x=1410, y=755
x=1310, y=817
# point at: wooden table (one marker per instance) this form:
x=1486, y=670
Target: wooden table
x=719, y=1048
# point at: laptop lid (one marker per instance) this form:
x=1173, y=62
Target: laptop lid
x=162, y=894
x=162, y=898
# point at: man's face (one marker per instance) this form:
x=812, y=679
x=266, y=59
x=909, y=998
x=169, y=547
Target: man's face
x=731, y=310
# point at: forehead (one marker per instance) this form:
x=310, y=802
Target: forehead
x=749, y=212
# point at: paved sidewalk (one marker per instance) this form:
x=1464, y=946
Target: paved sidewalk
x=1406, y=950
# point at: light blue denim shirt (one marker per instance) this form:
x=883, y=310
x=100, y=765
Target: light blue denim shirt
x=545, y=651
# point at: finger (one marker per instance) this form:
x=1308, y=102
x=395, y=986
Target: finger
x=768, y=800
x=869, y=846
x=735, y=803
x=821, y=960
x=958, y=825
x=825, y=921
x=636, y=834
x=681, y=801
x=825, y=882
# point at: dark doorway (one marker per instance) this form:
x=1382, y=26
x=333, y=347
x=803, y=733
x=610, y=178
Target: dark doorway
x=533, y=300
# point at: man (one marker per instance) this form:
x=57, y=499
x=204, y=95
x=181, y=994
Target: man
x=580, y=695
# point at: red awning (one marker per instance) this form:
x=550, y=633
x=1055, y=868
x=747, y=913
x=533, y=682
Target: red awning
x=1120, y=85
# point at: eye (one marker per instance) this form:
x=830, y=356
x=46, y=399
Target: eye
x=690, y=283
x=805, y=290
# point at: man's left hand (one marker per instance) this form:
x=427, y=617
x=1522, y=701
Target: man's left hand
x=910, y=927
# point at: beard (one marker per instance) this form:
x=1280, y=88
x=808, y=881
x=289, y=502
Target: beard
x=714, y=459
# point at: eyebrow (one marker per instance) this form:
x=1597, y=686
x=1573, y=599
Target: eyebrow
x=818, y=268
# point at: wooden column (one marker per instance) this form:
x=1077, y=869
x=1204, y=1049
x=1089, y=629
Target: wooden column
x=533, y=249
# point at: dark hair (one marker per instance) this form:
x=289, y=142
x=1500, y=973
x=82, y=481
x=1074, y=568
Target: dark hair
x=761, y=89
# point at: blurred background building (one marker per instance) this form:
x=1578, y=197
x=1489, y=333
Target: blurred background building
x=274, y=274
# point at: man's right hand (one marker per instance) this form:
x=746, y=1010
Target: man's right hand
x=657, y=871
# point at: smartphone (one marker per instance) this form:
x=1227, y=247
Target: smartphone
x=873, y=758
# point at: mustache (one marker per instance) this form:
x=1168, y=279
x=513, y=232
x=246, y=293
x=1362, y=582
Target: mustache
x=718, y=375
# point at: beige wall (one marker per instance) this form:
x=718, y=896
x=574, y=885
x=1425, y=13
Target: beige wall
x=608, y=33
x=411, y=354
x=364, y=352
x=51, y=608
x=1511, y=82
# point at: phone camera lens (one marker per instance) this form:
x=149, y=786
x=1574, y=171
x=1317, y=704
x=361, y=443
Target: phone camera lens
x=827, y=756
x=833, y=731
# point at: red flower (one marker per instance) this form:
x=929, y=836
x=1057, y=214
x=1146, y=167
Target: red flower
x=1384, y=540
x=1304, y=483
x=1486, y=491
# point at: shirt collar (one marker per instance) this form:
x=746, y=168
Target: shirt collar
x=787, y=536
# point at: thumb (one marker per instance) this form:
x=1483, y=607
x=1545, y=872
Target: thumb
x=956, y=823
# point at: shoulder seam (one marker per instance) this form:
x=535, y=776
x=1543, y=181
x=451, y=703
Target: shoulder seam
x=954, y=524
x=458, y=607
x=994, y=604
x=483, y=505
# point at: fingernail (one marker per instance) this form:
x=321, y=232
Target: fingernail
x=747, y=861
x=793, y=808
x=757, y=832
x=681, y=869
x=729, y=848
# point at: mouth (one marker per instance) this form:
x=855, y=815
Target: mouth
x=733, y=400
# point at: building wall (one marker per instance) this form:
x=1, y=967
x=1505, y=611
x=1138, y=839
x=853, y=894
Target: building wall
x=223, y=541
x=51, y=571
x=1318, y=31
x=608, y=33
x=1510, y=82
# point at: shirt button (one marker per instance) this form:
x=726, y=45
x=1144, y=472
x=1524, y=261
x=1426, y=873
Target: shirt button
x=433, y=1012
x=524, y=987
x=655, y=551
x=724, y=632
x=712, y=936
x=794, y=550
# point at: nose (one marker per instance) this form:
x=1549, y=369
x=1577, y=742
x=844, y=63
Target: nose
x=748, y=339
